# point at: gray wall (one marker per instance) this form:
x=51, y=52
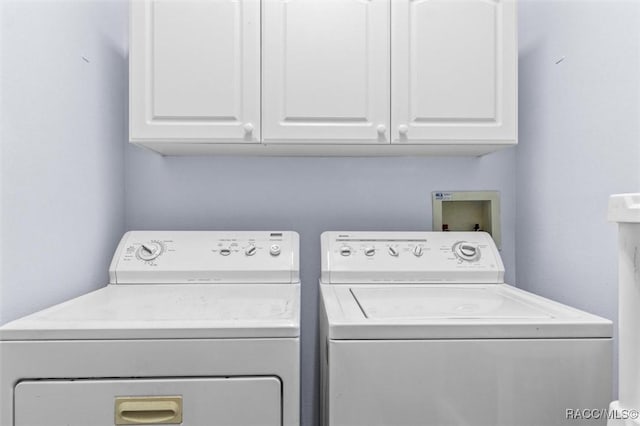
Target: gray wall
x=63, y=132
x=579, y=142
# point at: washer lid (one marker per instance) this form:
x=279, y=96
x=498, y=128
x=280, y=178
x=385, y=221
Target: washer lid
x=441, y=302
x=184, y=311
x=452, y=311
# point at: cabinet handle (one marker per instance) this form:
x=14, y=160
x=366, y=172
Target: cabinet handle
x=248, y=128
x=403, y=129
x=382, y=129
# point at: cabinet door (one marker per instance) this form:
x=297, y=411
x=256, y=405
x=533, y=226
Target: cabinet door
x=454, y=65
x=325, y=71
x=195, y=70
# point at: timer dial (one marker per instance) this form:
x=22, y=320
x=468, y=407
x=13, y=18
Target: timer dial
x=149, y=251
x=466, y=251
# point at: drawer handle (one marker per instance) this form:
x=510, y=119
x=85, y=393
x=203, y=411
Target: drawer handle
x=148, y=410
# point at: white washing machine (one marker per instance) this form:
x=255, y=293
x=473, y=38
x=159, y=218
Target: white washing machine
x=195, y=328
x=418, y=328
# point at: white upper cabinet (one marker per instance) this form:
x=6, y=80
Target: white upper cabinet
x=325, y=71
x=323, y=77
x=454, y=72
x=195, y=70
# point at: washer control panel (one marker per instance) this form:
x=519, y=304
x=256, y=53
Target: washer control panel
x=206, y=257
x=410, y=257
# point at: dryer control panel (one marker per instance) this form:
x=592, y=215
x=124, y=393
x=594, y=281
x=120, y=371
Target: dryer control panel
x=206, y=257
x=410, y=257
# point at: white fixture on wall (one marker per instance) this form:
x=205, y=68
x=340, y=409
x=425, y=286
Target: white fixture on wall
x=625, y=210
x=467, y=211
x=311, y=77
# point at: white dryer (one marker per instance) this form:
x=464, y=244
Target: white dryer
x=195, y=328
x=418, y=328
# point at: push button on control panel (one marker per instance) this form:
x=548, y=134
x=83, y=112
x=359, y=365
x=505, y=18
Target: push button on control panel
x=274, y=250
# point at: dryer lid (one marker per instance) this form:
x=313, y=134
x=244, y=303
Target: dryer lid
x=183, y=311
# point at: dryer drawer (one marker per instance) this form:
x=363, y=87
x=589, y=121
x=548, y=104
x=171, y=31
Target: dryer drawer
x=190, y=402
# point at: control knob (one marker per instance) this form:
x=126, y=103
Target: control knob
x=345, y=251
x=369, y=251
x=149, y=251
x=466, y=251
x=417, y=251
x=251, y=250
x=393, y=251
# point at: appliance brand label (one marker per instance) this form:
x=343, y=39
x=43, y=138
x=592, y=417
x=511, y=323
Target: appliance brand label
x=443, y=196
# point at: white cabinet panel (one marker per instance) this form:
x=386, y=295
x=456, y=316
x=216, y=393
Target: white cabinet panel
x=454, y=68
x=195, y=70
x=323, y=77
x=325, y=71
x=205, y=401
